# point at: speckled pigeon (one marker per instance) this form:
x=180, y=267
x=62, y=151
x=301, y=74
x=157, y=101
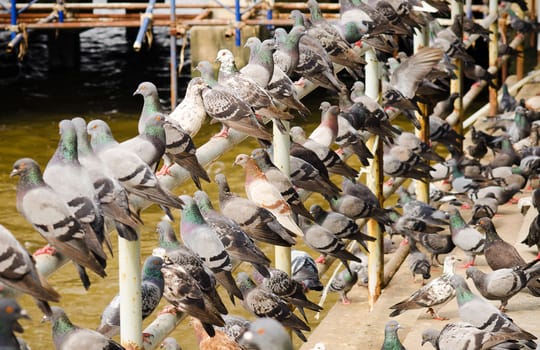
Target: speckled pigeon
x=190, y=113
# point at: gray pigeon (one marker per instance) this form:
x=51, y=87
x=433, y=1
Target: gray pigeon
x=465, y=237
x=10, y=314
x=263, y=303
x=152, y=285
x=266, y=334
x=304, y=270
x=235, y=240
x=482, y=314
x=258, y=222
x=47, y=212
x=128, y=168
x=503, y=284
x=19, y=271
x=464, y=336
x=486, y=206
x=67, y=336
x=204, y=241
x=436, y=292
x=344, y=282
x=150, y=144
x=151, y=106
x=418, y=262
x=391, y=339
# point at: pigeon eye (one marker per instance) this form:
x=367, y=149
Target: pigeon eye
x=9, y=309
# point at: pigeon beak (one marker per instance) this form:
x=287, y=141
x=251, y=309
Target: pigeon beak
x=137, y=92
x=44, y=319
x=14, y=172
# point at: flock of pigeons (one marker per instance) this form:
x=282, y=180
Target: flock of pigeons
x=93, y=184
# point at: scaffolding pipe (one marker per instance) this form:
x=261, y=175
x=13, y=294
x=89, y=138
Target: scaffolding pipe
x=27, y=6
x=60, y=10
x=238, y=19
x=493, y=55
x=173, y=61
x=146, y=21
x=13, y=18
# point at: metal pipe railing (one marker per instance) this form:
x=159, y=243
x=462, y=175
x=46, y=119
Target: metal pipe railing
x=146, y=22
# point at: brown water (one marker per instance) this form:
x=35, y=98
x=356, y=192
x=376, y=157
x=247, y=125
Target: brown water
x=35, y=100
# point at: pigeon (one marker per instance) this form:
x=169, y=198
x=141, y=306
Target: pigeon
x=445, y=107
x=288, y=289
x=263, y=303
x=65, y=175
x=259, y=223
x=400, y=91
x=465, y=237
x=391, y=339
x=323, y=241
x=304, y=270
x=420, y=210
x=181, y=150
x=19, y=271
x=266, y=334
x=10, y=314
x=130, y=170
x=434, y=243
x=66, y=335
x=226, y=108
x=261, y=191
x=349, y=140
x=330, y=158
x=480, y=313
x=502, y=284
x=436, y=292
x=150, y=144
x=46, y=211
x=169, y=343
x=184, y=293
x=419, y=263
x=175, y=253
x=340, y=225
x=218, y=341
x=234, y=326
x=484, y=207
x=190, y=114
x=248, y=90
x=306, y=176
x=112, y=196
x=344, y=282
x=476, y=72
x=326, y=132
x=151, y=106
x=463, y=335
x=358, y=208
x=500, y=254
x=413, y=143
x=204, y=241
x=442, y=132
x=280, y=181
x=235, y=240
x=287, y=54
x=533, y=236
x=152, y=285
x=507, y=103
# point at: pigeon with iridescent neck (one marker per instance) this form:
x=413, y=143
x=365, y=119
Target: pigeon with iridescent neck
x=47, y=212
x=466, y=237
x=151, y=105
x=391, y=339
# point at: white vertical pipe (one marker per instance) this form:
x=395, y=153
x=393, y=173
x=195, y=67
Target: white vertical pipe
x=129, y=271
x=282, y=147
x=374, y=182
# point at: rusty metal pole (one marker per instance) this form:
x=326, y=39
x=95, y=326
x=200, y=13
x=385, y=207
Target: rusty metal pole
x=493, y=55
x=374, y=181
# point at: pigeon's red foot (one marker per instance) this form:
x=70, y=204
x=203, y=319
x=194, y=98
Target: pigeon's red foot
x=147, y=338
x=165, y=170
x=46, y=250
x=169, y=309
x=466, y=206
x=224, y=132
x=321, y=259
x=346, y=301
x=513, y=200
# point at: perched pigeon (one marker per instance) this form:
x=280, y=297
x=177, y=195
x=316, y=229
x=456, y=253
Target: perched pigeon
x=391, y=339
x=263, y=303
x=18, y=271
x=264, y=194
x=502, y=284
x=218, y=341
x=10, y=314
x=266, y=334
x=436, y=292
x=304, y=270
x=484, y=207
x=151, y=106
x=150, y=144
x=464, y=336
x=152, y=285
x=204, y=241
x=190, y=114
x=258, y=222
x=46, y=211
x=235, y=240
x=482, y=314
x=465, y=237
x=66, y=335
x=326, y=132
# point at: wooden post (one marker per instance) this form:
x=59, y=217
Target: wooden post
x=493, y=55
x=282, y=146
x=374, y=181
x=129, y=271
x=173, y=62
